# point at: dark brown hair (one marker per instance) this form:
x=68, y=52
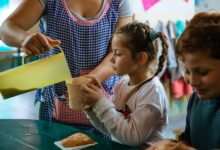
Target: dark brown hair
x=201, y=35
x=137, y=38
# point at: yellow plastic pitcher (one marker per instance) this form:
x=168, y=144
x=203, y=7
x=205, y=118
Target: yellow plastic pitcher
x=34, y=75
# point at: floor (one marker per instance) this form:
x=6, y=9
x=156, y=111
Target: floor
x=23, y=107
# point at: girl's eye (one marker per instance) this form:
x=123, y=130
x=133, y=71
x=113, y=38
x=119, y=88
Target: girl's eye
x=186, y=72
x=117, y=54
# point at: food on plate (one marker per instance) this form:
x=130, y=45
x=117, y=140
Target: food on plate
x=77, y=139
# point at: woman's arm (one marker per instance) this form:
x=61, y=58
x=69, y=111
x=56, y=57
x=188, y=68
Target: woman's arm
x=104, y=70
x=14, y=30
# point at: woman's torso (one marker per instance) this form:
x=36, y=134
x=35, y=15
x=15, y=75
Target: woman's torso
x=85, y=8
x=85, y=42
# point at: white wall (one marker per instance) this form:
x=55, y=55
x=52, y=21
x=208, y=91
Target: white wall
x=13, y=4
x=165, y=10
x=206, y=5
x=5, y=12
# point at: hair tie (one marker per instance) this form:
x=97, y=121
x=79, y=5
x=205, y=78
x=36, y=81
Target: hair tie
x=153, y=35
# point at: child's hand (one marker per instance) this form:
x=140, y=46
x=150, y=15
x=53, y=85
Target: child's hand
x=170, y=145
x=94, y=80
x=91, y=93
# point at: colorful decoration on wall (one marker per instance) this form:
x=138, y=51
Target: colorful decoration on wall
x=149, y=3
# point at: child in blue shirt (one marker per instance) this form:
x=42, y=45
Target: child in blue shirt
x=199, y=50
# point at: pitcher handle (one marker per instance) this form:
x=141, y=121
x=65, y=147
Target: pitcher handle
x=57, y=46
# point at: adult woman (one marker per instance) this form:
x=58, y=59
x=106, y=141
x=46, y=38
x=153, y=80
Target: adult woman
x=83, y=28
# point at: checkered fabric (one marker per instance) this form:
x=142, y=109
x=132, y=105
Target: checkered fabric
x=63, y=113
x=84, y=43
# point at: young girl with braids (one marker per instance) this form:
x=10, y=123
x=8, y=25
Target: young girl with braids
x=142, y=117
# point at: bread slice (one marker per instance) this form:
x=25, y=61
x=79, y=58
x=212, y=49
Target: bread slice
x=77, y=139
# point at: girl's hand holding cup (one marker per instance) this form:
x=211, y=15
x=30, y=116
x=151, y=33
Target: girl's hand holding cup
x=83, y=92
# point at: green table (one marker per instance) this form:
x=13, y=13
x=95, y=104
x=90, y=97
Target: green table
x=41, y=135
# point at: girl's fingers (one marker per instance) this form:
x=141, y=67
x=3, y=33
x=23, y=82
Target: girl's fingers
x=86, y=88
x=94, y=80
x=94, y=87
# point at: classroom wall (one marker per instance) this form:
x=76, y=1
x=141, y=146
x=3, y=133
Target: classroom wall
x=165, y=10
x=206, y=5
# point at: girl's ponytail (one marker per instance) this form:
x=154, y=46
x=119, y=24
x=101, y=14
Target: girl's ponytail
x=163, y=56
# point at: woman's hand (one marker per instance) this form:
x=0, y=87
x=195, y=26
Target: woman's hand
x=170, y=145
x=37, y=43
x=92, y=92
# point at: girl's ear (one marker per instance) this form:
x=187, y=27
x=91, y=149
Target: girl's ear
x=142, y=58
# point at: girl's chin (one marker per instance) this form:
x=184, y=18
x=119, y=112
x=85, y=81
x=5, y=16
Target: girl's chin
x=116, y=73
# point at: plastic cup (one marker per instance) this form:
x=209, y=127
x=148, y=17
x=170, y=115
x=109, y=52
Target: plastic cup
x=74, y=92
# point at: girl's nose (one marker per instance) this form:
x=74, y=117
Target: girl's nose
x=112, y=59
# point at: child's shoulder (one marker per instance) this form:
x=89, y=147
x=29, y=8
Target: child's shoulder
x=122, y=81
x=155, y=83
x=153, y=91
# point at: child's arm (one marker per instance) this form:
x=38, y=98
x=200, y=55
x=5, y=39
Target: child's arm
x=142, y=122
x=96, y=122
x=134, y=130
x=96, y=96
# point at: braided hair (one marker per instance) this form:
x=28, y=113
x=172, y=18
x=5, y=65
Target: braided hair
x=140, y=37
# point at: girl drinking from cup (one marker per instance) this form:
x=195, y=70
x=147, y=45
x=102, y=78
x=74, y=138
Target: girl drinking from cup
x=138, y=113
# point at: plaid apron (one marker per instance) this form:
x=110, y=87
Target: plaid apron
x=85, y=44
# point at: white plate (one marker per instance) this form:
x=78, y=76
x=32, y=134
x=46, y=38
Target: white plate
x=58, y=144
